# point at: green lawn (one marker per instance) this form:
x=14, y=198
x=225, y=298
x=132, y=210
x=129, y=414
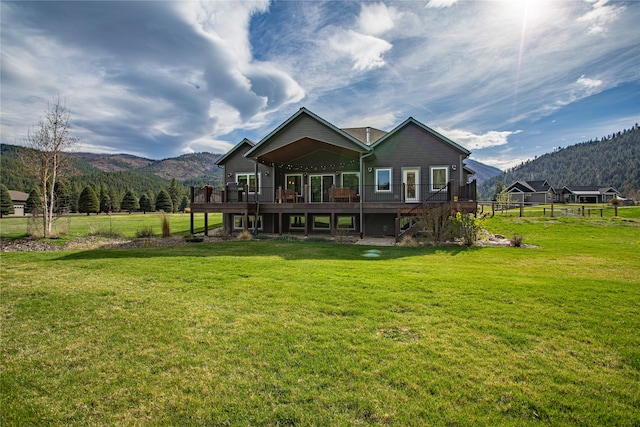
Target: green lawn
x=74, y=226
x=313, y=333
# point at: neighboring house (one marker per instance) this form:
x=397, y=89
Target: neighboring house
x=588, y=194
x=532, y=192
x=19, y=200
x=307, y=175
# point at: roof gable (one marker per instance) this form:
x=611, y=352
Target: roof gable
x=262, y=146
x=425, y=128
x=229, y=153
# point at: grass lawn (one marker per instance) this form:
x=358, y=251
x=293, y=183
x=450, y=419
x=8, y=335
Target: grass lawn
x=313, y=333
x=127, y=225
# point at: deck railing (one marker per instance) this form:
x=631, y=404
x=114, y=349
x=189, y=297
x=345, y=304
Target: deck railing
x=233, y=193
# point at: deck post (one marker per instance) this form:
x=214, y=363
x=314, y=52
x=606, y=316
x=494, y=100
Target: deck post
x=306, y=221
x=397, y=227
x=332, y=225
x=280, y=223
x=552, y=209
x=305, y=195
x=191, y=227
x=206, y=224
x=521, y=209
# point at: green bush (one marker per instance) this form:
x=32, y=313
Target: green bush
x=144, y=232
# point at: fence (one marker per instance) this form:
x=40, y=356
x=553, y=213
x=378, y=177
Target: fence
x=550, y=210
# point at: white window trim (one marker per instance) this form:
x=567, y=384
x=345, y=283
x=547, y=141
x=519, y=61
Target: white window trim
x=247, y=174
x=431, y=183
x=313, y=222
x=349, y=173
x=390, y=180
x=241, y=226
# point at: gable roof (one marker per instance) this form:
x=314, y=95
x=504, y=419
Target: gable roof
x=303, y=111
x=427, y=129
x=589, y=189
x=228, y=154
x=18, y=196
x=539, y=186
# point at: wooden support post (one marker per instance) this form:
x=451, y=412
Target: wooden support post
x=582, y=210
x=551, y=210
x=600, y=212
x=206, y=224
x=280, y=223
x=332, y=224
x=245, y=223
x=521, y=209
x=397, y=227
x=306, y=221
x=305, y=196
x=191, y=225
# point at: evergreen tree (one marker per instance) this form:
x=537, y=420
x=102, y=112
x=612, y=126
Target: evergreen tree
x=6, y=204
x=62, y=199
x=175, y=192
x=105, y=203
x=88, y=202
x=34, y=202
x=129, y=202
x=184, y=203
x=163, y=202
x=145, y=204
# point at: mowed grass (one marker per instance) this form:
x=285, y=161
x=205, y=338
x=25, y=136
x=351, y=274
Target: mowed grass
x=70, y=227
x=312, y=333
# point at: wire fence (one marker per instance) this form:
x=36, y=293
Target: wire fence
x=520, y=209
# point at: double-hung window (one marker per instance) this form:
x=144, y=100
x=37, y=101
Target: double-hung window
x=383, y=180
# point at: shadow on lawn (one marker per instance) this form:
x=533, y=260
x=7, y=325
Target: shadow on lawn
x=285, y=250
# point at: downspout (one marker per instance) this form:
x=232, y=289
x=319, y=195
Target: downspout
x=362, y=157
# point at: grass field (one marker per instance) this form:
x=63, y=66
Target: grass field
x=313, y=333
x=67, y=228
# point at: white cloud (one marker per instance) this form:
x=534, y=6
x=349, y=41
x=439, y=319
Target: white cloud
x=473, y=141
x=365, y=51
x=375, y=19
x=601, y=16
x=439, y=4
x=589, y=83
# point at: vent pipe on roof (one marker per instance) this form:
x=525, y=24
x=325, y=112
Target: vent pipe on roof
x=368, y=135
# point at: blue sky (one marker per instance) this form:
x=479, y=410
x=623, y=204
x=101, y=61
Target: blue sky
x=508, y=80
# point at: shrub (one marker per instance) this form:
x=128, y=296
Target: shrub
x=516, y=241
x=144, y=232
x=165, y=226
x=466, y=226
x=409, y=241
x=245, y=235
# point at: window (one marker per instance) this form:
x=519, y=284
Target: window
x=346, y=222
x=439, y=178
x=383, y=180
x=351, y=180
x=294, y=182
x=296, y=221
x=249, y=179
x=238, y=222
x=321, y=222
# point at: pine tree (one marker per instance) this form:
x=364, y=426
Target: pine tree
x=129, y=202
x=88, y=202
x=105, y=203
x=163, y=202
x=184, y=203
x=145, y=204
x=34, y=202
x=6, y=204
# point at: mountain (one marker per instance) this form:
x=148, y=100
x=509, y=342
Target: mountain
x=125, y=169
x=482, y=172
x=613, y=160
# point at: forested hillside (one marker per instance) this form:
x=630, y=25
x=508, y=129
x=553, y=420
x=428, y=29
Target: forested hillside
x=111, y=176
x=613, y=160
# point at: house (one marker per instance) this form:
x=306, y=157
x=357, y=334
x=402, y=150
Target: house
x=532, y=192
x=19, y=200
x=308, y=175
x=588, y=194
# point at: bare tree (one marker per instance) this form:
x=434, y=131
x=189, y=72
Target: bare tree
x=48, y=142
